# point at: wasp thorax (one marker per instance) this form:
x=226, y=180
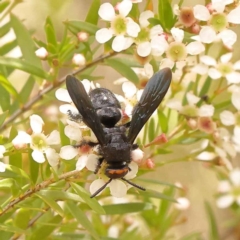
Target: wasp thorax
x=109, y=116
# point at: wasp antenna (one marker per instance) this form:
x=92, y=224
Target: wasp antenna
x=101, y=188
x=134, y=184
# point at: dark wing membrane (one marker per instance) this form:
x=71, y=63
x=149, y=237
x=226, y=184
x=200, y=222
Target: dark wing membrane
x=152, y=96
x=82, y=102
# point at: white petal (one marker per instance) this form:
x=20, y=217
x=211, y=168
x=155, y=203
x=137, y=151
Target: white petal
x=128, y=42
x=201, y=13
x=236, y=100
x=200, y=69
x=95, y=185
x=206, y=111
x=53, y=138
x=73, y=133
x=134, y=169
x=106, y=12
x=124, y=8
x=182, y=203
x=21, y=138
x=233, y=77
x=38, y=156
x=87, y=85
x=2, y=167
x=144, y=49
x=195, y=48
x=191, y=98
x=41, y=53
x=159, y=45
x=224, y=186
x=228, y=37
x=2, y=150
x=234, y=16
x=36, y=123
x=226, y=57
x=210, y=61
x=118, y=188
x=129, y=89
x=206, y=156
x=103, y=35
x=225, y=201
x=227, y=118
x=214, y=73
x=68, y=107
x=166, y=62
x=236, y=65
x=133, y=29
x=156, y=31
x=137, y=155
x=63, y=95
x=174, y=104
x=79, y=59
x=207, y=35
x=52, y=157
x=178, y=34
x=235, y=177
x=81, y=162
x=92, y=162
x=118, y=43
x=148, y=69
x=68, y=152
x=144, y=16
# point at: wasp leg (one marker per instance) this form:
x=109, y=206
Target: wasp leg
x=76, y=117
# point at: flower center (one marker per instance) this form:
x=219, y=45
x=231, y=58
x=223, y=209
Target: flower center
x=119, y=25
x=225, y=68
x=39, y=141
x=219, y=22
x=143, y=35
x=176, y=51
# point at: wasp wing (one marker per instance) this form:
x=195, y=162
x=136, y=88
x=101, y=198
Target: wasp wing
x=84, y=105
x=152, y=96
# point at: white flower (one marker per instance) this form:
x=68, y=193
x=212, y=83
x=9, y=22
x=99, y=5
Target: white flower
x=230, y=190
x=218, y=23
x=182, y=203
x=121, y=26
x=39, y=142
x=42, y=53
x=223, y=68
x=79, y=59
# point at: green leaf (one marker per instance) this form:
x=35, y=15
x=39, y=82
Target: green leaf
x=3, y=116
x=21, y=218
x=51, y=203
x=91, y=202
x=155, y=194
x=3, y=5
x=163, y=121
x=165, y=13
x=124, y=208
x=213, y=231
x=13, y=172
x=10, y=228
x=9, y=183
x=8, y=86
x=25, y=42
x=46, y=229
x=81, y=217
x=206, y=86
x=151, y=129
x=78, y=26
x=51, y=36
x=27, y=89
x=92, y=16
x=24, y=66
x=4, y=100
x=123, y=69
x=34, y=167
x=16, y=160
x=5, y=29
x=60, y=195
x=8, y=47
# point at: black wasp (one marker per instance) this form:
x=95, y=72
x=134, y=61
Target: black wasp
x=100, y=111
